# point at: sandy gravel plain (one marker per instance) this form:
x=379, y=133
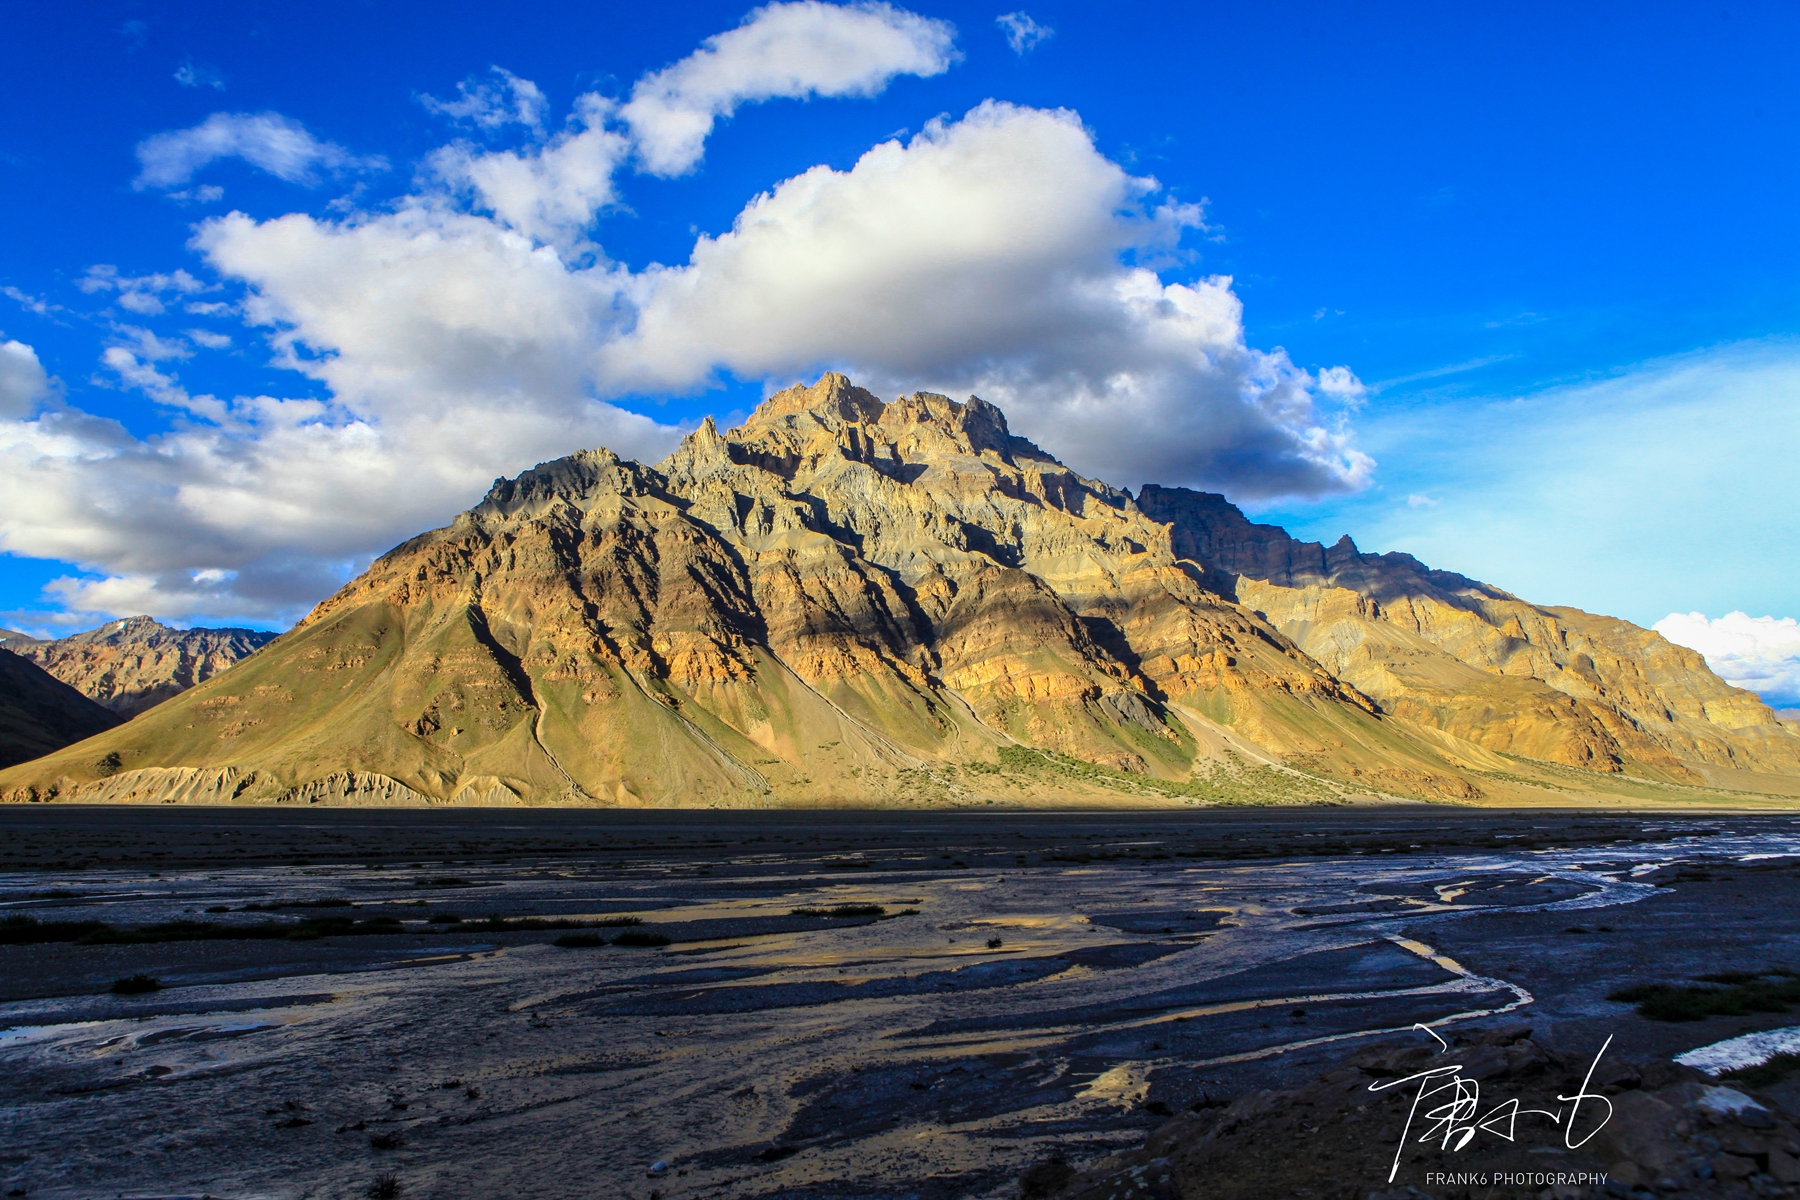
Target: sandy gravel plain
x=1039, y=984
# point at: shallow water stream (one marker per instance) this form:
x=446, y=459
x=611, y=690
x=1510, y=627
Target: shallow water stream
x=1024, y=1008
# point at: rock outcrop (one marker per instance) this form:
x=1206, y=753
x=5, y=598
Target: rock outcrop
x=841, y=601
x=134, y=664
x=39, y=714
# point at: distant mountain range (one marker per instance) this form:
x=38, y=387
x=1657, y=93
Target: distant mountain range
x=136, y=663
x=852, y=601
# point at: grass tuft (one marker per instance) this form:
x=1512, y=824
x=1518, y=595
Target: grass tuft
x=136, y=985
x=841, y=910
x=580, y=940
x=1732, y=977
x=19, y=930
x=642, y=937
x=1734, y=994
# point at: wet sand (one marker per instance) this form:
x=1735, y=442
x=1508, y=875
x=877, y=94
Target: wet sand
x=1066, y=981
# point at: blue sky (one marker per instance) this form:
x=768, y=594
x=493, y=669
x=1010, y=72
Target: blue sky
x=1512, y=289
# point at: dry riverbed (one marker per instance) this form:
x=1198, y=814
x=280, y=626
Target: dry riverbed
x=1034, y=986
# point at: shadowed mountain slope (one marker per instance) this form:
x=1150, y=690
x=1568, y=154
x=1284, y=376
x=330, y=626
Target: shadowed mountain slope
x=39, y=714
x=851, y=601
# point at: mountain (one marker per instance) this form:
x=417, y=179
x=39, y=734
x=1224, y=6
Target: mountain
x=852, y=601
x=134, y=664
x=1454, y=654
x=39, y=714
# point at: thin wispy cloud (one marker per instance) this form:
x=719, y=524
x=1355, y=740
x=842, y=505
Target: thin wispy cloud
x=1473, y=364
x=1022, y=33
x=1603, y=494
x=191, y=74
x=31, y=304
x=141, y=294
x=494, y=102
x=268, y=141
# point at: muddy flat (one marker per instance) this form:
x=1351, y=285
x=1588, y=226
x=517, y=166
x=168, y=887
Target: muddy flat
x=823, y=1004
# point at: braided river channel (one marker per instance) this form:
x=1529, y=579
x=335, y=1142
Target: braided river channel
x=1034, y=984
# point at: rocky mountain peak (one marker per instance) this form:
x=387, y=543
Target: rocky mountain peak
x=970, y=427
x=126, y=629
x=830, y=402
x=802, y=430
x=148, y=631
x=577, y=481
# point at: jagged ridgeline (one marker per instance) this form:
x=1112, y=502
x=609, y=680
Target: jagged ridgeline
x=852, y=601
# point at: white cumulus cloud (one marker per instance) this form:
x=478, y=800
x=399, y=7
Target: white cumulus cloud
x=22, y=380
x=549, y=192
x=257, y=508
x=269, y=141
x=473, y=328
x=1761, y=654
x=985, y=256
x=793, y=50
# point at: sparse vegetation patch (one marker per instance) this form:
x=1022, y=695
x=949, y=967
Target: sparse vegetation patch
x=1215, y=783
x=1728, y=994
x=26, y=931
x=642, y=937
x=841, y=910
x=574, y=941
